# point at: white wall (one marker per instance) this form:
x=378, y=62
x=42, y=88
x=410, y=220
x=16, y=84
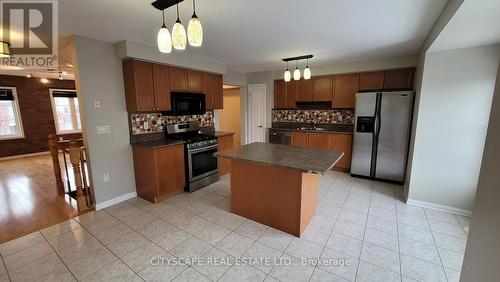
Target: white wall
x=98, y=75
x=482, y=253
x=454, y=106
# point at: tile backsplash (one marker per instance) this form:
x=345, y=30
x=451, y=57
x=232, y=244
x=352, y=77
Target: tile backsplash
x=314, y=116
x=145, y=123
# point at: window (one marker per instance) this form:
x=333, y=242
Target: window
x=66, y=111
x=11, y=126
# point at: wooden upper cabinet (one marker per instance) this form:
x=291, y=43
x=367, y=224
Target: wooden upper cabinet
x=345, y=89
x=399, y=78
x=317, y=140
x=218, y=102
x=299, y=139
x=161, y=84
x=208, y=90
x=195, y=81
x=291, y=93
x=139, y=92
x=279, y=94
x=178, y=79
x=371, y=80
x=323, y=88
x=341, y=142
x=306, y=90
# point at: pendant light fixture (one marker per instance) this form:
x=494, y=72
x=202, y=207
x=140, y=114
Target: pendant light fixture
x=163, y=38
x=195, y=30
x=307, y=71
x=296, y=72
x=287, y=75
x=5, y=50
x=178, y=34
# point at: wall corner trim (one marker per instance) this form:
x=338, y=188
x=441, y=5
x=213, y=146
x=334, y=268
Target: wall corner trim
x=439, y=207
x=116, y=200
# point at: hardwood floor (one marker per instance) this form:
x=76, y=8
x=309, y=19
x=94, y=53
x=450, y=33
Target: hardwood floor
x=28, y=197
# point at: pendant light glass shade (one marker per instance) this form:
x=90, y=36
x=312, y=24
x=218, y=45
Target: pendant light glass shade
x=163, y=39
x=5, y=50
x=178, y=34
x=288, y=76
x=296, y=74
x=307, y=73
x=195, y=30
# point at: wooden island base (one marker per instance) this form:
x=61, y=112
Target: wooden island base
x=282, y=198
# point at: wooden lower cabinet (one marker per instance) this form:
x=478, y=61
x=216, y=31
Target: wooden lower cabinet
x=159, y=172
x=299, y=139
x=326, y=141
x=341, y=142
x=225, y=143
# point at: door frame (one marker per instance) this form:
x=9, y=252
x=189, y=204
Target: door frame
x=249, y=123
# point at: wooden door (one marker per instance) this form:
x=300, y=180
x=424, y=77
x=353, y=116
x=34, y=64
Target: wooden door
x=317, y=140
x=399, y=79
x=306, y=90
x=371, y=80
x=225, y=143
x=208, y=90
x=291, y=93
x=323, y=88
x=195, y=81
x=341, y=142
x=161, y=82
x=139, y=92
x=218, y=102
x=169, y=171
x=299, y=139
x=279, y=94
x=345, y=89
x=178, y=79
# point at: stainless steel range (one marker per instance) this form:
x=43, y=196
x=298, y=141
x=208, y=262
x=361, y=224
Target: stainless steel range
x=199, y=148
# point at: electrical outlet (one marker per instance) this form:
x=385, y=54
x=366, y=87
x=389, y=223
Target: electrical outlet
x=103, y=129
x=145, y=125
x=105, y=177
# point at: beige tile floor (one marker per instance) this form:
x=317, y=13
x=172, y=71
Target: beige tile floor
x=361, y=232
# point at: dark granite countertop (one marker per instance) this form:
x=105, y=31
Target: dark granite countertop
x=154, y=144
x=220, y=133
x=328, y=128
x=303, y=159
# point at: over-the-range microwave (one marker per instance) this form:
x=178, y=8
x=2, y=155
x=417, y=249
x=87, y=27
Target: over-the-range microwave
x=187, y=103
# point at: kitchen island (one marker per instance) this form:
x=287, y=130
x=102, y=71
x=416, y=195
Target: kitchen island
x=277, y=185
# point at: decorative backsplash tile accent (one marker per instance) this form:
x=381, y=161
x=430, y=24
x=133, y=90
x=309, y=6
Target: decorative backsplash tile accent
x=314, y=116
x=156, y=122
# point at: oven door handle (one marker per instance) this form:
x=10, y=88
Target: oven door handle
x=203, y=149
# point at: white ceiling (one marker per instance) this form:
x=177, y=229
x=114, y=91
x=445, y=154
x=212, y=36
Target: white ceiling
x=254, y=35
x=476, y=23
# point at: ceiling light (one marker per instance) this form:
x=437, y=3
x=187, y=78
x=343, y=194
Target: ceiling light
x=178, y=34
x=163, y=39
x=44, y=80
x=5, y=50
x=296, y=72
x=195, y=30
x=307, y=71
x=287, y=75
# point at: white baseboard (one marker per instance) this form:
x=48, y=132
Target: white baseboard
x=24, y=156
x=116, y=200
x=438, y=207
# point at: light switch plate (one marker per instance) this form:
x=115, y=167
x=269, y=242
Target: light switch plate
x=103, y=129
x=145, y=125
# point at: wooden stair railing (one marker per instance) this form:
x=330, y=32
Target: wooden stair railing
x=74, y=148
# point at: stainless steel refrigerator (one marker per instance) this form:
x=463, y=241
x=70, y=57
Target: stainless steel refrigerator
x=381, y=135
